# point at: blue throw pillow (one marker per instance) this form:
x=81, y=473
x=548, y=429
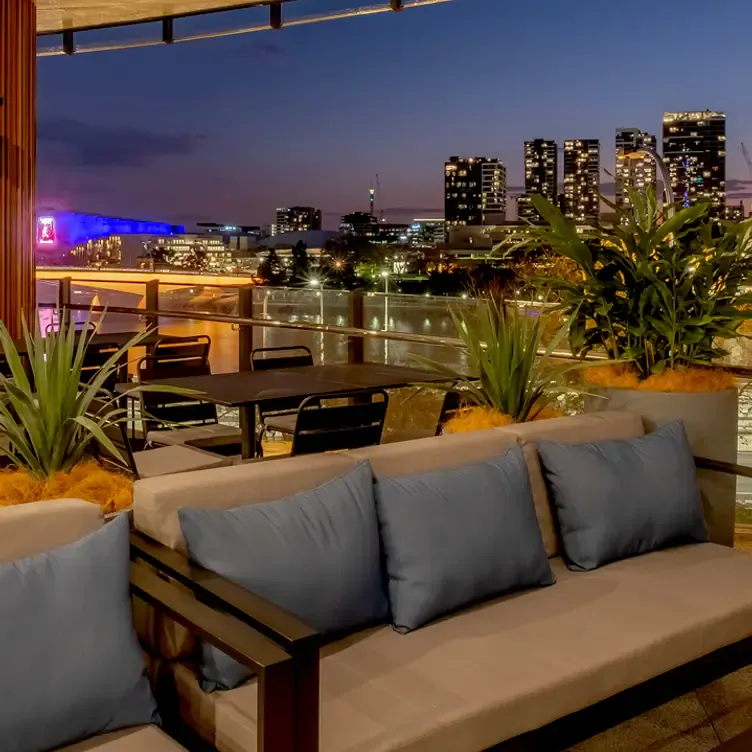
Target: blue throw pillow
x=615, y=499
x=453, y=537
x=315, y=554
x=70, y=663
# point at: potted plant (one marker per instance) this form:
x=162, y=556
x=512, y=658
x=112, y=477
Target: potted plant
x=512, y=377
x=659, y=291
x=51, y=419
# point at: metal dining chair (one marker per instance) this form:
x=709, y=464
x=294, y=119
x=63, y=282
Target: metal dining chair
x=171, y=419
x=450, y=404
x=278, y=415
x=95, y=357
x=79, y=326
x=359, y=422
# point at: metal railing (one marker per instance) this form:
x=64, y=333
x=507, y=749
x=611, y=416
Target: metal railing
x=246, y=320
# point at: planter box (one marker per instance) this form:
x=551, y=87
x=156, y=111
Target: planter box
x=711, y=420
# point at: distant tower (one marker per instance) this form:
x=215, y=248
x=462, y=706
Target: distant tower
x=637, y=173
x=372, y=199
x=694, y=150
x=582, y=166
x=475, y=191
x=541, y=173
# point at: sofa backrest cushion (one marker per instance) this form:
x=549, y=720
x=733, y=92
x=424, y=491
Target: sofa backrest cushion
x=30, y=529
x=455, y=536
x=156, y=501
x=577, y=429
x=71, y=663
x=616, y=499
x=315, y=554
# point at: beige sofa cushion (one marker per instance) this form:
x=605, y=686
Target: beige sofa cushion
x=30, y=529
x=155, y=512
x=435, y=452
x=156, y=501
x=514, y=664
x=145, y=739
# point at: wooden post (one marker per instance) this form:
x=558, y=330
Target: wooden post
x=151, y=303
x=245, y=346
x=356, y=317
x=63, y=301
x=17, y=161
x=245, y=333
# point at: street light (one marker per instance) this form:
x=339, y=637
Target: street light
x=385, y=275
x=643, y=151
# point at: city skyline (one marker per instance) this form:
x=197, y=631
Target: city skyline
x=207, y=155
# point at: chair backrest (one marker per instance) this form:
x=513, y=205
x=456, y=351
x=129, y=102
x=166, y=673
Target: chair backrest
x=270, y=358
x=95, y=357
x=452, y=402
x=160, y=409
x=325, y=428
x=79, y=326
x=183, y=347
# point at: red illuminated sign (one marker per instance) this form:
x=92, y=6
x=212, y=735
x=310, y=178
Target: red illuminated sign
x=46, y=231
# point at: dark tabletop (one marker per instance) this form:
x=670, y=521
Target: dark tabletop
x=249, y=387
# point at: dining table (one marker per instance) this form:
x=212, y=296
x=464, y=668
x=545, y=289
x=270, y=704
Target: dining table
x=245, y=390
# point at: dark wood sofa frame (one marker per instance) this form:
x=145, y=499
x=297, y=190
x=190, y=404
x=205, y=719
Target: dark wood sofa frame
x=301, y=645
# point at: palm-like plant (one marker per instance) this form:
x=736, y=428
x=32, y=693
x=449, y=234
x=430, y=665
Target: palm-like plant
x=656, y=290
x=510, y=371
x=50, y=417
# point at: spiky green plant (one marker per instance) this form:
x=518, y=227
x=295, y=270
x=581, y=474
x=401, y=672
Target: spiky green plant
x=510, y=371
x=50, y=416
x=658, y=290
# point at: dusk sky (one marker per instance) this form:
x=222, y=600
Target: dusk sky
x=226, y=130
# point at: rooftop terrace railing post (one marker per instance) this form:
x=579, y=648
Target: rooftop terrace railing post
x=17, y=161
x=151, y=303
x=64, y=300
x=245, y=346
x=356, y=317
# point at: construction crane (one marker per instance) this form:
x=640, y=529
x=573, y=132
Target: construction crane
x=747, y=158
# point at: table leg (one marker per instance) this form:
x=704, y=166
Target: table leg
x=248, y=430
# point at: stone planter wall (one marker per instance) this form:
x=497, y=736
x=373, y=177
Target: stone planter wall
x=711, y=421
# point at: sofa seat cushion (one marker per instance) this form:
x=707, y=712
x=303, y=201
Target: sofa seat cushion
x=144, y=739
x=514, y=664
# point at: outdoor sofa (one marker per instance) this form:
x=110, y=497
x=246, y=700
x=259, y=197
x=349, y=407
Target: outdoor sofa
x=538, y=669
x=73, y=670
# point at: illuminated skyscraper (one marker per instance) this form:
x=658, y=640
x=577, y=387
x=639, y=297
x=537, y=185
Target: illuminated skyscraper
x=582, y=168
x=694, y=149
x=475, y=191
x=638, y=173
x=296, y=219
x=541, y=175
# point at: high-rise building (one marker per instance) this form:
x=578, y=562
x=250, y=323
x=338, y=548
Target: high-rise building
x=734, y=212
x=694, y=149
x=296, y=219
x=582, y=170
x=541, y=175
x=475, y=191
x=639, y=173
x=425, y=233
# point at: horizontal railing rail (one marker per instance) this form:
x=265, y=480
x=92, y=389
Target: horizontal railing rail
x=246, y=323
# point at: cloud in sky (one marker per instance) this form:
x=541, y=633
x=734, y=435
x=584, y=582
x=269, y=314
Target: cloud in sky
x=74, y=144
